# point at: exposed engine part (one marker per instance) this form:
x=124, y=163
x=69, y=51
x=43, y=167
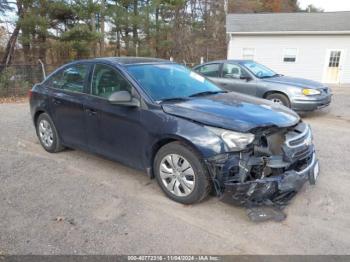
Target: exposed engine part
x=272, y=171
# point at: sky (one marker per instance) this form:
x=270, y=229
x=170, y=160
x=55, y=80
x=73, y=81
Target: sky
x=327, y=5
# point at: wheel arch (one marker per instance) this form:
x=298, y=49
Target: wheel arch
x=37, y=114
x=167, y=140
x=270, y=92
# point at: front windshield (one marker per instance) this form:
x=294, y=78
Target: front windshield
x=170, y=81
x=259, y=70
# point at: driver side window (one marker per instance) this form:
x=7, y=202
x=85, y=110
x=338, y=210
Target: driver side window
x=107, y=80
x=233, y=71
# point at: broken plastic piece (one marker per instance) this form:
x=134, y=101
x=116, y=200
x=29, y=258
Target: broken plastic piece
x=265, y=213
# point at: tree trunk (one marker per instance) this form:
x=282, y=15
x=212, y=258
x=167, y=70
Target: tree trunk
x=10, y=46
x=42, y=36
x=157, y=32
x=134, y=27
x=102, y=40
x=147, y=25
x=118, y=42
x=93, y=29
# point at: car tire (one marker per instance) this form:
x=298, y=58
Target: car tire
x=192, y=184
x=47, y=134
x=279, y=99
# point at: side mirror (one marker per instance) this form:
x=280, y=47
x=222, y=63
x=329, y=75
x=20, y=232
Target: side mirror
x=123, y=98
x=247, y=78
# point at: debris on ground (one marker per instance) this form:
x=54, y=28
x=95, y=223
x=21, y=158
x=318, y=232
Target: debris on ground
x=265, y=213
x=70, y=221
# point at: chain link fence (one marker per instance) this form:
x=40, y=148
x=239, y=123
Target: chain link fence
x=18, y=79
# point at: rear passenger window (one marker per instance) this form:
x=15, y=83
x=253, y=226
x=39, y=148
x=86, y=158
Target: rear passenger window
x=71, y=78
x=106, y=80
x=211, y=70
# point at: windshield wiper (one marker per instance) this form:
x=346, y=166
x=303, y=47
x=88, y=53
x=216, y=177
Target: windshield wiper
x=205, y=93
x=173, y=99
x=275, y=75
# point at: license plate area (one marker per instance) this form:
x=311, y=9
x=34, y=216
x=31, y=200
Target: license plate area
x=314, y=172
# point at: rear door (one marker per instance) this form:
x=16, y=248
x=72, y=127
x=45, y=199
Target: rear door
x=66, y=103
x=211, y=71
x=236, y=78
x=113, y=130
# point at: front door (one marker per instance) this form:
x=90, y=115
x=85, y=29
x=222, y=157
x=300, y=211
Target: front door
x=235, y=78
x=66, y=103
x=113, y=130
x=333, y=68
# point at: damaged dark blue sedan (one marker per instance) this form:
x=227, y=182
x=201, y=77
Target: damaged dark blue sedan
x=192, y=136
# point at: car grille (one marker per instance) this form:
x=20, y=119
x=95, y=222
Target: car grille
x=298, y=144
x=300, y=136
x=302, y=153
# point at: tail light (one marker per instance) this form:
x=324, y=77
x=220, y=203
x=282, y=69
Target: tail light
x=30, y=93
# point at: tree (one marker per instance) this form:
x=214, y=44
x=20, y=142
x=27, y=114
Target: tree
x=10, y=47
x=59, y=30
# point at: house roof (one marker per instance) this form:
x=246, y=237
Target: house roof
x=284, y=23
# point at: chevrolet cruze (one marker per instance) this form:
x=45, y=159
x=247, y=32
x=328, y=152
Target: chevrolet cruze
x=177, y=126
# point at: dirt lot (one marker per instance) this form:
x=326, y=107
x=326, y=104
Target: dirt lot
x=77, y=203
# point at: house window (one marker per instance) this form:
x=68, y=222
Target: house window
x=334, y=59
x=290, y=55
x=248, y=53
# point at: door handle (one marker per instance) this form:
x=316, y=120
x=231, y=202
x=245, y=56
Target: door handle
x=91, y=112
x=56, y=101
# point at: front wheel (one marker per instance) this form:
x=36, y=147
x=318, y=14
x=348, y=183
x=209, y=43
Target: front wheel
x=279, y=99
x=181, y=173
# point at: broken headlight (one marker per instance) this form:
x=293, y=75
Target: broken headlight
x=235, y=141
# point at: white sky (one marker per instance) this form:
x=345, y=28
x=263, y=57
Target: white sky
x=327, y=5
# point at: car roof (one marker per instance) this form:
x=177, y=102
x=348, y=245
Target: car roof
x=227, y=61
x=127, y=60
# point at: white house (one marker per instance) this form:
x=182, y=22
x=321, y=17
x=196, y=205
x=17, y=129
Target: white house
x=308, y=45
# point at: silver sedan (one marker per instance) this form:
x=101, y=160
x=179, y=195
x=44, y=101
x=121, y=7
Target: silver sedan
x=249, y=77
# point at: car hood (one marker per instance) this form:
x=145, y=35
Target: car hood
x=233, y=111
x=294, y=81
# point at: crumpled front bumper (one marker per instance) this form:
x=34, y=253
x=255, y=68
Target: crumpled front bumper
x=277, y=189
x=267, y=174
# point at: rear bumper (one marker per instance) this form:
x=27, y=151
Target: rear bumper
x=276, y=189
x=311, y=104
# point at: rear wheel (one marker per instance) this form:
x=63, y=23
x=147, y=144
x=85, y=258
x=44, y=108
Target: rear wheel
x=279, y=99
x=181, y=174
x=47, y=134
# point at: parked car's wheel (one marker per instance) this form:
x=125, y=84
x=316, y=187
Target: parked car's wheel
x=47, y=134
x=181, y=173
x=279, y=99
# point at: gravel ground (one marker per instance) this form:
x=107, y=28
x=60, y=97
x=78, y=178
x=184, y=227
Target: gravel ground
x=77, y=203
